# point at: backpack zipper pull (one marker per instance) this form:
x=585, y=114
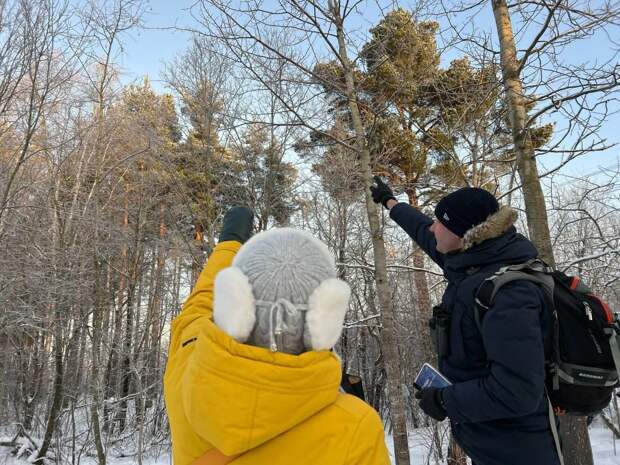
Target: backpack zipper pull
x=588, y=311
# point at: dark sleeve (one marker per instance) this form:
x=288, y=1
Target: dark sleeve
x=513, y=340
x=416, y=224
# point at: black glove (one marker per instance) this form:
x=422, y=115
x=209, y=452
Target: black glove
x=237, y=225
x=431, y=403
x=381, y=192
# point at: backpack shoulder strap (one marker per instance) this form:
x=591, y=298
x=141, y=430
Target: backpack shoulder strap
x=533, y=270
x=614, y=341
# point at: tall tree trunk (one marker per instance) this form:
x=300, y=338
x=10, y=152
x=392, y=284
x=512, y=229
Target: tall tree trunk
x=72, y=382
x=133, y=279
x=576, y=445
x=535, y=208
x=176, y=288
x=96, y=344
x=126, y=367
x=455, y=455
x=197, y=253
x=156, y=312
x=56, y=399
x=389, y=346
x=32, y=379
x=114, y=360
x=423, y=303
x=574, y=431
x=57, y=314
x=341, y=228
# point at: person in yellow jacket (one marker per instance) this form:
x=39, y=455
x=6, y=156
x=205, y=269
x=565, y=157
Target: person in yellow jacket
x=251, y=378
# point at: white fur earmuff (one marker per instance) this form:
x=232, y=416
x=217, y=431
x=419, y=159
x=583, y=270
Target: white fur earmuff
x=234, y=309
x=327, y=307
x=233, y=303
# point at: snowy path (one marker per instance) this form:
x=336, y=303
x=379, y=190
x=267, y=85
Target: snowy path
x=601, y=437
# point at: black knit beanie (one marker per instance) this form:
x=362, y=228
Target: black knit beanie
x=465, y=208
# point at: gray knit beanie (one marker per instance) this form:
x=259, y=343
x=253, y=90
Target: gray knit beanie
x=283, y=266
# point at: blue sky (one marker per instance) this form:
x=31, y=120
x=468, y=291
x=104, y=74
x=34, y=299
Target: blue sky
x=146, y=50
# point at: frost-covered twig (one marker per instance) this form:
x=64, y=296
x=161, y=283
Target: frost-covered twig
x=389, y=267
x=611, y=425
x=353, y=324
x=587, y=258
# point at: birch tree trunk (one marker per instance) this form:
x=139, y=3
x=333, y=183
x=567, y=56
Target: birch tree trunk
x=389, y=346
x=574, y=431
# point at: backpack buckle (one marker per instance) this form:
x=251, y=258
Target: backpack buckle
x=558, y=410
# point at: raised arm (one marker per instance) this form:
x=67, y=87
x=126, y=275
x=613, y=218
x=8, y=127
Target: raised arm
x=236, y=229
x=415, y=223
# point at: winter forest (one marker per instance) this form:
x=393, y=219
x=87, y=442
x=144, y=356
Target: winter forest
x=112, y=191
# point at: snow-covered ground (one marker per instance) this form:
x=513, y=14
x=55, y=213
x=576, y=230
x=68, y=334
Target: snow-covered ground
x=606, y=450
x=605, y=447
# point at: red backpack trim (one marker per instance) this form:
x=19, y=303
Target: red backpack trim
x=608, y=314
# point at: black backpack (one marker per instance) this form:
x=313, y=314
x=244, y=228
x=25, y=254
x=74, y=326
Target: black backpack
x=352, y=384
x=584, y=359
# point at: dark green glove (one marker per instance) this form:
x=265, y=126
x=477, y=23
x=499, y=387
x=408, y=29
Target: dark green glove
x=381, y=192
x=237, y=225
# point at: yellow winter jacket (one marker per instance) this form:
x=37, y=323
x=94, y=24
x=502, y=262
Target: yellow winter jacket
x=272, y=408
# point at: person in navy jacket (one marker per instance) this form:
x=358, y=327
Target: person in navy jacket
x=496, y=404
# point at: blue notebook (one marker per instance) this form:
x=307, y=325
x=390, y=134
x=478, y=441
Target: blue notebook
x=430, y=377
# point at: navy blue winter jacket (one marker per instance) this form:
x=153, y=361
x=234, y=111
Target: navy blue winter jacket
x=496, y=405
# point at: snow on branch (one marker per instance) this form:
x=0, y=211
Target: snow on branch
x=389, y=267
x=588, y=258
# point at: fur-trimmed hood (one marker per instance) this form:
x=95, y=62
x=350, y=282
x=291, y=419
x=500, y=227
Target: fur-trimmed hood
x=494, y=226
x=496, y=241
